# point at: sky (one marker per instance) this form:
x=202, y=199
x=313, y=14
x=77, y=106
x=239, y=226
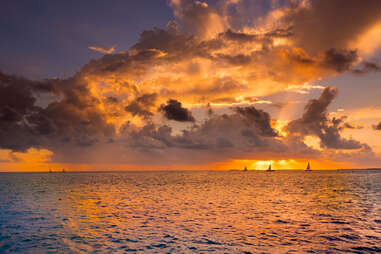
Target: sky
x=185, y=84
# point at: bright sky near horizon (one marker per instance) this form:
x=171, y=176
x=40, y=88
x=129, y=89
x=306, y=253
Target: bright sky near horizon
x=185, y=84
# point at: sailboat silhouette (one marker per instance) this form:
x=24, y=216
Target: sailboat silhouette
x=245, y=169
x=269, y=169
x=308, y=167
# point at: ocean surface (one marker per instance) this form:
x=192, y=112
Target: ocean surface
x=191, y=212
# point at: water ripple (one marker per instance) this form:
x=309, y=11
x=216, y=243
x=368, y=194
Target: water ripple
x=191, y=212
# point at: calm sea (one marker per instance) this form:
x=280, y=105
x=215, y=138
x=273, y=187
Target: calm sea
x=191, y=212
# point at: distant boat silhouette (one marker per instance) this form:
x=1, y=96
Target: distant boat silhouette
x=245, y=169
x=63, y=170
x=269, y=169
x=308, y=167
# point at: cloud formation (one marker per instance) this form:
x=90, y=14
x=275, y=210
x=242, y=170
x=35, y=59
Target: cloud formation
x=244, y=133
x=340, y=60
x=321, y=25
x=103, y=49
x=367, y=67
x=211, y=54
x=173, y=110
x=315, y=121
x=143, y=105
x=73, y=119
x=377, y=127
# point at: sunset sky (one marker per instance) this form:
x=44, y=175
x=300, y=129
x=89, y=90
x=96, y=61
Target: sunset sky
x=184, y=84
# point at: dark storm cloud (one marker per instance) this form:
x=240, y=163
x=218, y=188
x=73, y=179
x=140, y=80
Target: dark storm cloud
x=143, y=105
x=339, y=59
x=235, y=60
x=377, y=127
x=244, y=129
x=112, y=100
x=169, y=40
x=349, y=126
x=259, y=118
x=173, y=110
x=107, y=63
x=315, y=121
x=16, y=95
x=155, y=46
x=17, y=101
x=220, y=137
x=281, y=33
x=72, y=119
x=315, y=113
x=239, y=37
x=332, y=24
x=134, y=64
x=25, y=84
x=264, y=38
x=175, y=43
x=367, y=67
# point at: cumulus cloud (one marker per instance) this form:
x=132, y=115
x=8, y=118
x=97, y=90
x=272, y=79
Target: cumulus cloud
x=340, y=60
x=321, y=25
x=315, y=121
x=173, y=110
x=194, y=14
x=102, y=49
x=143, y=105
x=377, y=127
x=76, y=121
x=244, y=133
x=367, y=67
x=259, y=118
x=233, y=58
x=73, y=119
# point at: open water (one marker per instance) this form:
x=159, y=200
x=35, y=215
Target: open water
x=191, y=212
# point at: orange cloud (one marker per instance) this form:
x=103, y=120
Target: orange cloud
x=102, y=49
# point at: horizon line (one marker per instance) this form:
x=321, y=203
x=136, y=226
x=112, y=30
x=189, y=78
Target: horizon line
x=181, y=170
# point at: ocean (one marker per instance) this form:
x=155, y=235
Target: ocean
x=191, y=212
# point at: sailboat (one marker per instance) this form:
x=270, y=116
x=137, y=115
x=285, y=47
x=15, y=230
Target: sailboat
x=308, y=167
x=269, y=169
x=63, y=170
x=245, y=169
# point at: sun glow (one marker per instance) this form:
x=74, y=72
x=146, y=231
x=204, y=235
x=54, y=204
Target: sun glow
x=313, y=142
x=279, y=126
x=282, y=164
x=31, y=160
x=369, y=41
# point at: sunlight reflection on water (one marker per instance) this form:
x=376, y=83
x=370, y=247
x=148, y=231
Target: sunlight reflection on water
x=191, y=212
